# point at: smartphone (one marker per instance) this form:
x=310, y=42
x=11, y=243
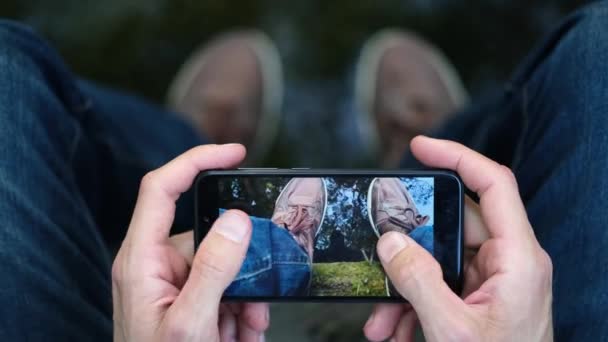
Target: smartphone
x=315, y=231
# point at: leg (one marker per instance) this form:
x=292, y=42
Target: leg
x=550, y=126
x=275, y=264
x=54, y=168
x=56, y=267
x=561, y=165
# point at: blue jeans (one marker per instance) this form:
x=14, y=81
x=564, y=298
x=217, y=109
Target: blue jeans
x=275, y=264
x=73, y=154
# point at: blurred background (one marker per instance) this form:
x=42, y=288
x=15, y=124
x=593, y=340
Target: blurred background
x=137, y=45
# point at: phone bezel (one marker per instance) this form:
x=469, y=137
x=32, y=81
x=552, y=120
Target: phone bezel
x=448, y=229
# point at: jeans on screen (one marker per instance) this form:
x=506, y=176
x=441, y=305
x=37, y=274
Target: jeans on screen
x=275, y=264
x=73, y=153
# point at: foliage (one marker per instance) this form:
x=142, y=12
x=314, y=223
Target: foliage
x=421, y=190
x=348, y=279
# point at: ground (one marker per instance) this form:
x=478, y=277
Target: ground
x=348, y=279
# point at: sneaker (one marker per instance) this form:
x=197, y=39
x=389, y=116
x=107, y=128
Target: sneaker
x=231, y=91
x=390, y=207
x=404, y=86
x=300, y=208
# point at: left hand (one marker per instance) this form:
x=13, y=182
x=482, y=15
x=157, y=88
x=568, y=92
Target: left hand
x=160, y=290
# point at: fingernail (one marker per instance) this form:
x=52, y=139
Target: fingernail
x=391, y=244
x=370, y=319
x=262, y=337
x=267, y=315
x=232, y=226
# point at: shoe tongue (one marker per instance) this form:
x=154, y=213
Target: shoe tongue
x=395, y=105
x=301, y=200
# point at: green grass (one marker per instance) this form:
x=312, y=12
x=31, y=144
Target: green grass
x=348, y=279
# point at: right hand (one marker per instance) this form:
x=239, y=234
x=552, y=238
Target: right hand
x=508, y=282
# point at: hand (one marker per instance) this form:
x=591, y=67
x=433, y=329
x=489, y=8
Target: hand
x=160, y=291
x=507, y=290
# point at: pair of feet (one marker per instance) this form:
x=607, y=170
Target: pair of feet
x=231, y=90
x=301, y=207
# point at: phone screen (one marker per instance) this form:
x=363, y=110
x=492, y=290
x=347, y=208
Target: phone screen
x=315, y=236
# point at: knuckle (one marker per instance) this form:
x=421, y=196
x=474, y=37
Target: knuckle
x=545, y=264
x=414, y=269
x=208, y=265
x=463, y=333
x=508, y=174
x=175, y=330
x=148, y=181
x=117, y=270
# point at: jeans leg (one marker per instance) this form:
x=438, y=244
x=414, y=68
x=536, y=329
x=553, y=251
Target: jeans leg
x=55, y=267
x=68, y=148
x=275, y=264
x=561, y=164
x=550, y=125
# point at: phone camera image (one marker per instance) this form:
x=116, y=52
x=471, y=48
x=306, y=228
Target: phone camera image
x=317, y=236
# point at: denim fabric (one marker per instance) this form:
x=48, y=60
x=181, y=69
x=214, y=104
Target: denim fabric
x=72, y=157
x=424, y=236
x=275, y=264
x=550, y=124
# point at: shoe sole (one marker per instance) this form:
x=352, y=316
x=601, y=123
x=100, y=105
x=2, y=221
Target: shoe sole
x=269, y=60
x=366, y=75
x=369, y=207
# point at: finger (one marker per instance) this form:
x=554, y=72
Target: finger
x=215, y=265
x=234, y=307
x=256, y=316
x=418, y=278
x=247, y=334
x=475, y=231
x=382, y=322
x=159, y=189
x=184, y=245
x=502, y=208
x=224, y=309
x=406, y=327
x=228, y=328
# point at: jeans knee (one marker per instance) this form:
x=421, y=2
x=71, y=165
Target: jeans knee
x=32, y=71
x=585, y=69
x=20, y=45
x=22, y=61
x=38, y=94
x=571, y=66
x=587, y=38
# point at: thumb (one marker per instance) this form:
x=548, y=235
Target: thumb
x=215, y=265
x=418, y=278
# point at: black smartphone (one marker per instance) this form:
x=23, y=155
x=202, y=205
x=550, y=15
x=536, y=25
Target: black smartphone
x=315, y=231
